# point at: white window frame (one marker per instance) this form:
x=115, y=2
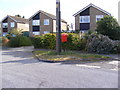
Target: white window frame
x=12, y=24
x=99, y=16
x=5, y=25
x=83, y=18
x=45, y=32
x=36, y=22
x=36, y=33
x=46, y=20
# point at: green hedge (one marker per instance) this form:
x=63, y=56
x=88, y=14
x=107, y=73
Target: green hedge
x=93, y=43
x=19, y=41
x=48, y=41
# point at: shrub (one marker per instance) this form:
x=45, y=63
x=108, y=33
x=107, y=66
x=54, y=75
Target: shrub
x=109, y=26
x=19, y=41
x=26, y=33
x=4, y=41
x=116, y=48
x=13, y=33
x=74, y=42
x=48, y=41
x=37, y=42
x=100, y=44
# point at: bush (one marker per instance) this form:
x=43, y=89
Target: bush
x=26, y=33
x=74, y=42
x=13, y=33
x=100, y=44
x=4, y=41
x=116, y=48
x=19, y=41
x=37, y=42
x=109, y=26
x=48, y=41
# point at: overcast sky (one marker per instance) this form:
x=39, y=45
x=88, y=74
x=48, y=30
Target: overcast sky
x=68, y=7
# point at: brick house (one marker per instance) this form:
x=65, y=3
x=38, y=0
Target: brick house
x=43, y=22
x=86, y=18
x=14, y=22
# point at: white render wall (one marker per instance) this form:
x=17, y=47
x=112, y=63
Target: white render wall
x=54, y=25
x=23, y=27
x=63, y=26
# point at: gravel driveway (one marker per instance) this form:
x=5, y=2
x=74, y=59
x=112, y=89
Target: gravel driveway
x=21, y=70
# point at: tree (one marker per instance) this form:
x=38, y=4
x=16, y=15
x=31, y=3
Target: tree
x=109, y=26
x=18, y=15
x=14, y=32
x=23, y=17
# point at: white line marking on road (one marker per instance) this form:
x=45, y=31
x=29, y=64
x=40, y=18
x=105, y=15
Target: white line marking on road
x=87, y=66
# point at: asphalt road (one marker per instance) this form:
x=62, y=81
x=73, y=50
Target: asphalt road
x=21, y=70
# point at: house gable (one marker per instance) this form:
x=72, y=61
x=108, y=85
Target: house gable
x=86, y=18
x=5, y=20
x=91, y=5
x=36, y=17
x=85, y=12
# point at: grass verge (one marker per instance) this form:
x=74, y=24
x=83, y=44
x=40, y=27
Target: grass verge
x=63, y=56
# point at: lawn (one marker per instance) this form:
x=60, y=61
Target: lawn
x=69, y=55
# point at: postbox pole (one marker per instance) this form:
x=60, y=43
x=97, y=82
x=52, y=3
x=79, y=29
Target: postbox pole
x=58, y=27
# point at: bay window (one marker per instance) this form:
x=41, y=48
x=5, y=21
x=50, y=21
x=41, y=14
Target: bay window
x=36, y=22
x=84, y=19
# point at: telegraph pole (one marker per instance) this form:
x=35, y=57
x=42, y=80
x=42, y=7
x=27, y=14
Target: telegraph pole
x=58, y=27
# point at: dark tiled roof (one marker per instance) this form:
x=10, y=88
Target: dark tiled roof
x=19, y=19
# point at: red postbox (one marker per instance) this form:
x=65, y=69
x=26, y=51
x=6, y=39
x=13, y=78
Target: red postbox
x=64, y=37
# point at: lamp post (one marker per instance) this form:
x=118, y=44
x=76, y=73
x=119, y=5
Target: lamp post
x=58, y=27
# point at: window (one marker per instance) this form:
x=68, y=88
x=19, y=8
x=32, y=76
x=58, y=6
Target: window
x=36, y=28
x=36, y=22
x=98, y=17
x=5, y=25
x=12, y=24
x=36, y=33
x=84, y=19
x=45, y=32
x=46, y=21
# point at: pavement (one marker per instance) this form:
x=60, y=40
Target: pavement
x=21, y=70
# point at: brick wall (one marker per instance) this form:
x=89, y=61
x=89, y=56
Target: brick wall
x=93, y=13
